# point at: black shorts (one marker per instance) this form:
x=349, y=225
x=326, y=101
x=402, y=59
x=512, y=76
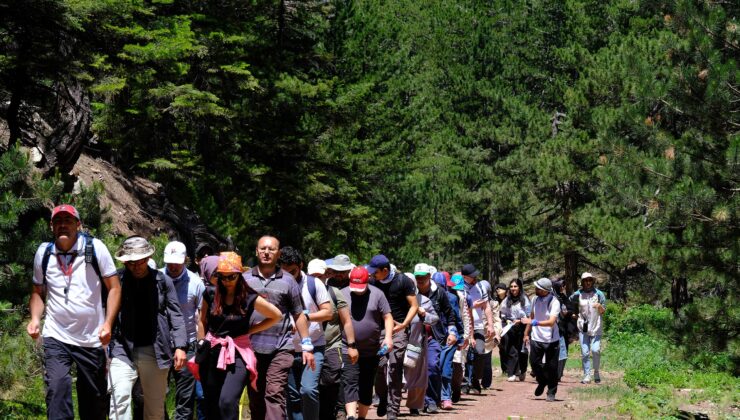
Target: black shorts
x=358, y=379
x=331, y=371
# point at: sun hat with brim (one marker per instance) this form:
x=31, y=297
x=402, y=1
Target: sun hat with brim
x=358, y=279
x=340, y=263
x=134, y=248
x=316, y=266
x=229, y=262
x=544, y=284
x=457, y=281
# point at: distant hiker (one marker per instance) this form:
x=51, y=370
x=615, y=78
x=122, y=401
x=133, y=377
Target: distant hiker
x=274, y=347
x=201, y=251
x=208, y=266
x=515, y=307
x=566, y=324
x=189, y=288
x=451, y=347
x=416, y=363
x=443, y=338
x=483, y=327
x=149, y=325
x=70, y=278
x=303, y=382
x=491, y=341
x=228, y=362
x=543, y=338
x=461, y=354
x=371, y=321
x=499, y=293
x=400, y=291
x=331, y=392
x=591, y=307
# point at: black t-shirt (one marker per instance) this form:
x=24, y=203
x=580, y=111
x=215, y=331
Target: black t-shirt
x=145, y=298
x=230, y=322
x=397, y=291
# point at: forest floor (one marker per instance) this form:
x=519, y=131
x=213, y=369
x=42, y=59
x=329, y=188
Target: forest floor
x=516, y=400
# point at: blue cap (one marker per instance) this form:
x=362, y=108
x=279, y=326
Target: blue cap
x=440, y=279
x=458, y=280
x=377, y=262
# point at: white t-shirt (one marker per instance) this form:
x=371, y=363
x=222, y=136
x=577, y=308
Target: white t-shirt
x=75, y=317
x=542, y=312
x=315, y=331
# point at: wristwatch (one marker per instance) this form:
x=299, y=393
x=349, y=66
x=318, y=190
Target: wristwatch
x=352, y=345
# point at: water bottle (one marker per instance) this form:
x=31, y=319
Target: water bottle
x=383, y=350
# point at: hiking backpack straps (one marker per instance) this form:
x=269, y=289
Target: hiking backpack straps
x=91, y=258
x=90, y=255
x=311, y=283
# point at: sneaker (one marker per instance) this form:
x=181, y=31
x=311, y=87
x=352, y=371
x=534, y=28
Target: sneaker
x=414, y=412
x=465, y=389
x=446, y=405
x=597, y=378
x=431, y=408
x=550, y=398
x=540, y=389
x=586, y=379
x=522, y=376
x=350, y=418
x=474, y=391
x=382, y=409
x=511, y=378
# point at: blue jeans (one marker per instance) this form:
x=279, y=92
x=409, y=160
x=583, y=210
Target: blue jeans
x=200, y=401
x=434, y=373
x=445, y=363
x=303, y=387
x=592, y=344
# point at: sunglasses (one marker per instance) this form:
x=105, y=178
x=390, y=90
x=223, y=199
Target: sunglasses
x=230, y=277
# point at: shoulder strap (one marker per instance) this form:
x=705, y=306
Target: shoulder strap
x=333, y=295
x=311, y=283
x=45, y=259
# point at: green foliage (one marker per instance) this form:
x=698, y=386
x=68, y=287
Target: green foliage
x=656, y=366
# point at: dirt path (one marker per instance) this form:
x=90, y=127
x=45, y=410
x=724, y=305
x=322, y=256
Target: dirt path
x=515, y=400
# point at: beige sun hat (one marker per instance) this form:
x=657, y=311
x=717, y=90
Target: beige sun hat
x=134, y=248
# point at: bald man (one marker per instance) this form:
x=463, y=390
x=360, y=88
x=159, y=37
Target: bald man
x=274, y=346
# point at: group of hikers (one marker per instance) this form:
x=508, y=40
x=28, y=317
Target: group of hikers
x=316, y=340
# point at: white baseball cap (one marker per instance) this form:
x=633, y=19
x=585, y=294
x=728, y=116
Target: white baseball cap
x=175, y=253
x=316, y=266
x=421, y=269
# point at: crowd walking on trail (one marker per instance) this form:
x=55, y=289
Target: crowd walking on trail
x=323, y=339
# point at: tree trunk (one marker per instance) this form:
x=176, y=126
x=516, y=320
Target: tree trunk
x=571, y=271
x=679, y=294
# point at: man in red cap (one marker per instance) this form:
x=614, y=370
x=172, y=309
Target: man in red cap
x=371, y=315
x=68, y=279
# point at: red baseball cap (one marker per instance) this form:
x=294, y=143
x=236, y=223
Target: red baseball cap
x=358, y=278
x=448, y=277
x=65, y=208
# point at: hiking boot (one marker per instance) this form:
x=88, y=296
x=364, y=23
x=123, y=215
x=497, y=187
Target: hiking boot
x=540, y=389
x=511, y=378
x=522, y=376
x=446, y=405
x=586, y=379
x=382, y=409
x=431, y=408
x=550, y=397
x=597, y=378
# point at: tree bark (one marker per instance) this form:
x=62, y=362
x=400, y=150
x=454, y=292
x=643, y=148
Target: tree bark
x=571, y=271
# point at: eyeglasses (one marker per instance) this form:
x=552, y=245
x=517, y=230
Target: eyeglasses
x=230, y=277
